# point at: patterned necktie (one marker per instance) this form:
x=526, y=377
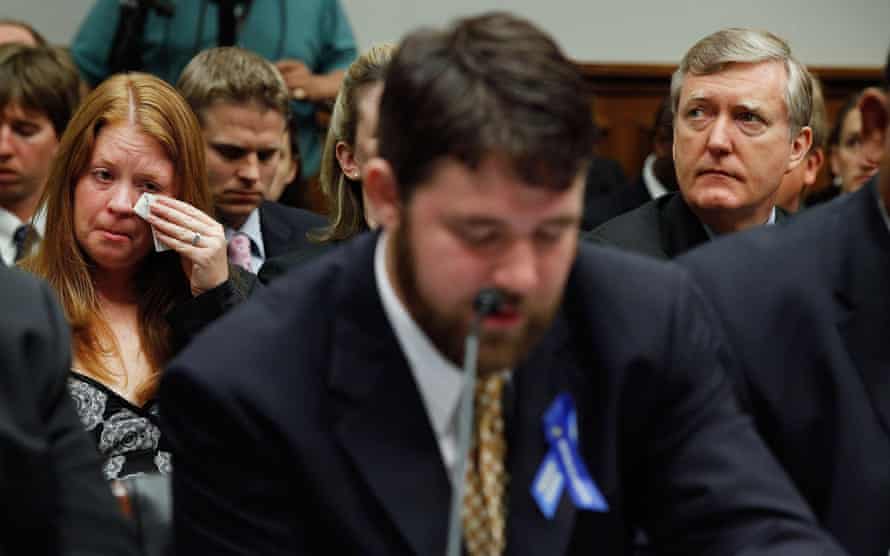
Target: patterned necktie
x=239, y=251
x=20, y=239
x=484, y=513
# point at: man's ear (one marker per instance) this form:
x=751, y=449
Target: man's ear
x=293, y=171
x=875, y=118
x=382, y=192
x=800, y=146
x=814, y=160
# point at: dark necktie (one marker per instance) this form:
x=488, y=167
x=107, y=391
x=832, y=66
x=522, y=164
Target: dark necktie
x=20, y=238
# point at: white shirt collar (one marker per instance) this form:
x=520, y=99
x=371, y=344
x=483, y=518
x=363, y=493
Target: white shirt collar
x=439, y=380
x=9, y=222
x=653, y=186
x=252, y=229
x=769, y=222
x=39, y=221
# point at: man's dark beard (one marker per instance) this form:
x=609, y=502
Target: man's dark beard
x=497, y=351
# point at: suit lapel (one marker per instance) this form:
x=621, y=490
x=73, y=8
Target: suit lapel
x=536, y=383
x=865, y=325
x=681, y=230
x=276, y=232
x=383, y=426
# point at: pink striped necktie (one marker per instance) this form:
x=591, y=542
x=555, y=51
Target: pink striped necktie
x=239, y=251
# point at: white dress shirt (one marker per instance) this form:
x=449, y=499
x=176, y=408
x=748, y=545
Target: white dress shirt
x=439, y=380
x=251, y=228
x=653, y=186
x=9, y=223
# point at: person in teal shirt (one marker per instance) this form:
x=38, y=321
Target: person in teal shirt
x=310, y=41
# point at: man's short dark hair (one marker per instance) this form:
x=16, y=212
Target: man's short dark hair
x=39, y=78
x=488, y=85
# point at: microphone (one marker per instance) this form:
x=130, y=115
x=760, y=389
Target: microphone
x=487, y=301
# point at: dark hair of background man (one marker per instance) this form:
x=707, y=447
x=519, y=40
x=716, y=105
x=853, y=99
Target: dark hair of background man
x=489, y=85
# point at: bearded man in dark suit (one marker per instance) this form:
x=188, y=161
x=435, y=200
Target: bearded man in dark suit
x=330, y=428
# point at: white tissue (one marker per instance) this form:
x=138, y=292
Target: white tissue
x=142, y=209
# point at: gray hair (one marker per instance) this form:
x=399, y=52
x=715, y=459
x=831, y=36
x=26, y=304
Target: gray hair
x=713, y=53
x=819, y=117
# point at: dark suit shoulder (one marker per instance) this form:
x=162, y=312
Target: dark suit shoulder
x=628, y=297
x=638, y=230
x=50, y=465
x=601, y=269
x=806, y=245
x=294, y=214
x=769, y=280
x=634, y=195
x=260, y=376
x=599, y=209
x=291, y=316
x=284, y=228
x=34, y=329
x=277, y=266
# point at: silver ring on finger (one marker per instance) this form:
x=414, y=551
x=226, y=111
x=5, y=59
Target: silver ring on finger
x=196, y=239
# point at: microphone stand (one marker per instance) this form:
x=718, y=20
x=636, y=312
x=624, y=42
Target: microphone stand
x=488, y=301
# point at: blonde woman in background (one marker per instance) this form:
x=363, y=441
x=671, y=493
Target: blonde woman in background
x=351, y=141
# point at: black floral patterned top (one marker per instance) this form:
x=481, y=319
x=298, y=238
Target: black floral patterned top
x=127, y=436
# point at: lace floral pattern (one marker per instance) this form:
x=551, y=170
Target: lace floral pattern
x=113, y=466
x=127, y=432
x=127, y=436
x=89, y=402
x=164, y=461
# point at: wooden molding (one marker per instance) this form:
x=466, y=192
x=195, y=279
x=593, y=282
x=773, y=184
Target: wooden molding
x=655, y=79
x=650, y=72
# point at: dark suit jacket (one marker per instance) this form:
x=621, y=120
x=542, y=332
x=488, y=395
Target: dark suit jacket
x=309, y=435
x=284, y=228
x=604, y=178
x=603, y=208
x=807, y=312
x=278, y=266
x=663, y=228
x=55, y=499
